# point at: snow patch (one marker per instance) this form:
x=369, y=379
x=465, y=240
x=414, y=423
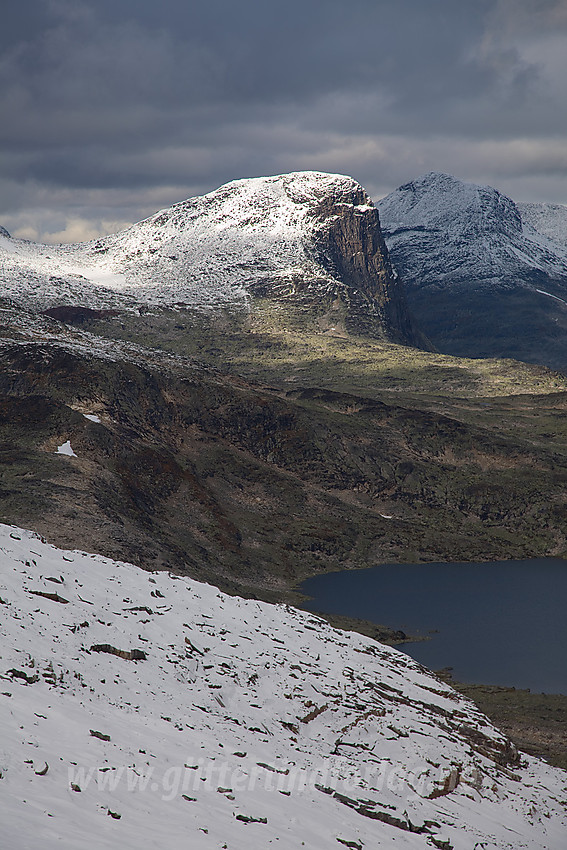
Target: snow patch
x=542, y=292
x=65, y=449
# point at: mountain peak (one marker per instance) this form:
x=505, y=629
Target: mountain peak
x=265, y=203
x=299, y=185
x=306, y=237
x=442, y=201
x=432, y=178
x=485, y=276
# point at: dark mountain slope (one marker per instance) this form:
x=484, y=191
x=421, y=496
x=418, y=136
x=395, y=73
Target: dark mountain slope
x=255, y=488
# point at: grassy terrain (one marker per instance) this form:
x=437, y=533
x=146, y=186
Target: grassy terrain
x=300, y=438
x=282, y=345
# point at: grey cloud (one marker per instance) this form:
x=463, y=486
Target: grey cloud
x=528, y=17
x=137, y=100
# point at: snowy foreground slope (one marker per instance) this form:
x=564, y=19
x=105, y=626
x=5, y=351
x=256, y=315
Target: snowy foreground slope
x=203, y=252
x=146, y=710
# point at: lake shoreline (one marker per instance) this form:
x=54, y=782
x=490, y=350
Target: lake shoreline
x=535, y=721
x=496, y=622
x=377, y=631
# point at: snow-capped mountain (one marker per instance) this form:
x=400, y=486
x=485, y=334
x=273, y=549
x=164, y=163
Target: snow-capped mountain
x=484, y=234
x=150, y=710
x=484, y=276
x=308, y=235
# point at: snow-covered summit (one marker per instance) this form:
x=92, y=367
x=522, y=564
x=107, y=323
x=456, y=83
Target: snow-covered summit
x=149, y=710
x=441, y=229
x=204, y=251
x=438, y=200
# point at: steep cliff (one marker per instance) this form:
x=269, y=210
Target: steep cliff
x=353, y=251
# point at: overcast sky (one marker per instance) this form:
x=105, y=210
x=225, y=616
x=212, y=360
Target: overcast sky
x=111, y=109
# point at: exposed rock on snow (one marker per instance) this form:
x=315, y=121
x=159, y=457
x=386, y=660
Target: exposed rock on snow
x=235, y=724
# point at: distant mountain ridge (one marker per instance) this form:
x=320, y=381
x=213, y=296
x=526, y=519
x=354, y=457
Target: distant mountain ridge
x=304, y=237
x=479, y=269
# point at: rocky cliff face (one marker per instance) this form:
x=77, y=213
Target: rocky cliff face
x=352, y=249
x=304, y=239
x=484, y=277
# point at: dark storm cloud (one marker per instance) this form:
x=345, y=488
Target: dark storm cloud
x=127, y=98
x=224, y=53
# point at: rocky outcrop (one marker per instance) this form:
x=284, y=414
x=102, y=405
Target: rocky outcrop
x=77, y=315
x=126, y=654
x=352, y=249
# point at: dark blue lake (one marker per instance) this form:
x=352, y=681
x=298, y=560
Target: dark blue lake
x=500, y=623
